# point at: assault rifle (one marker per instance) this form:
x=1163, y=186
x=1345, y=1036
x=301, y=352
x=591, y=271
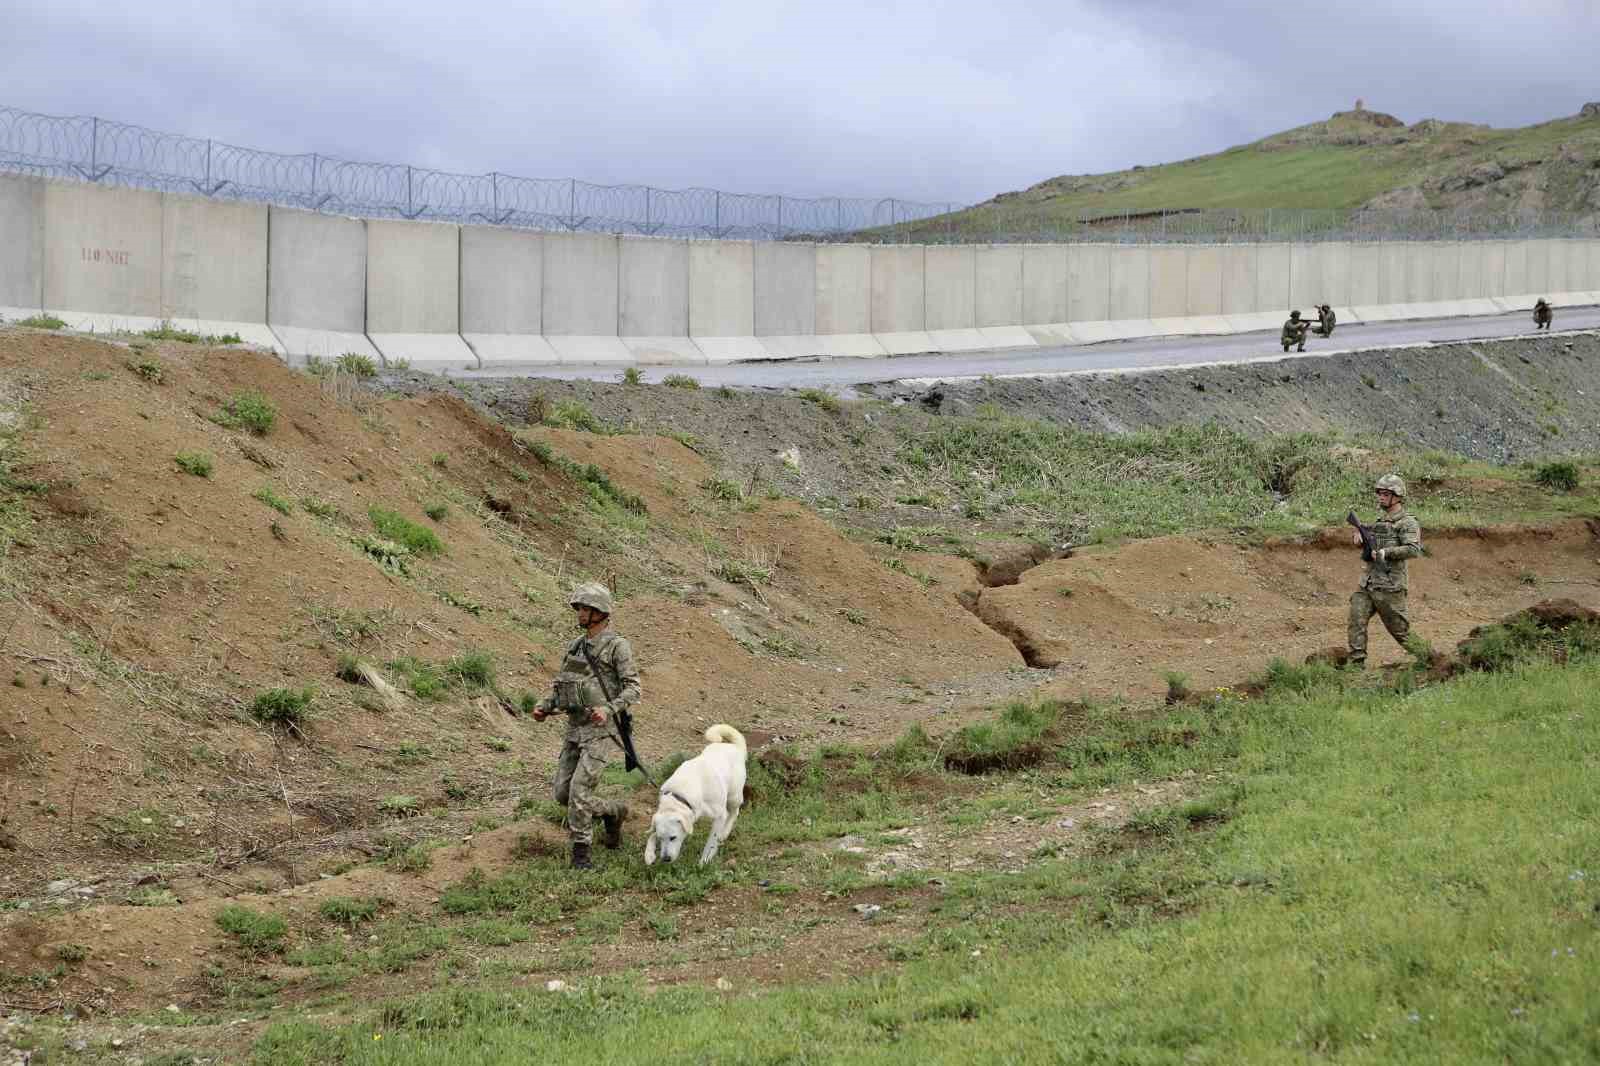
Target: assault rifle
x=624, y=719
x=1368, y=545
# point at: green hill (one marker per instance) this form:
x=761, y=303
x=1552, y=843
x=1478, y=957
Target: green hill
x=1355, y=159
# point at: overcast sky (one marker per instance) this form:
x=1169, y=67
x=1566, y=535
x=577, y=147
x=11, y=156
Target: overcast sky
x=930, y=100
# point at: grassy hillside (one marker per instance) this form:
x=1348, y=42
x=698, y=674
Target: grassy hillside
x=1352, y=160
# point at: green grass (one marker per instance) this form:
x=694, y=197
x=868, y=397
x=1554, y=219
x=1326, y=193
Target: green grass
x=197, y=463
x=1081, y=487
x=249, y=410
x=401, y=530
x=356, y=364
x=41, y=321
x=282, y=706
x=254, y=932
x=606, y=498
x=272, y=499
x=573, y=414
x=166, y=331
x=1387, y=877
x=680, y=381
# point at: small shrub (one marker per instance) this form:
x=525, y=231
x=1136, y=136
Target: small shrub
x=250, y=411
x=350, y=912
x=436, y=511
x=853, y=616
x=196, y=463
x=440, y=460
x=150, y=370
x=721, y=488
x=1558, y=476
x=386, y=553
x=42, y=322
x=404, y=532
x=357, y=365
x=256, y=933
x=823, y=399
x=474, y=669
x=320, y=508
x=680, y=381
x=413, y=860
x=400, y=806
x=1177, y=687
x=573, y=414
x=282, y=706
x=272, y=499
x=71, y=954
x=724, y=392
x=632, y=376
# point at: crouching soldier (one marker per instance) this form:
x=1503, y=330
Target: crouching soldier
x=1294, y=331
x=598, y=679
x=1542, y=315
x=1326, y=320
x=1394, y=538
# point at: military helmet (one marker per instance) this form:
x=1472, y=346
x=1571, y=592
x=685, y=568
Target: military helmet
x=1294, y=314
x=591, y=594
x=1393, y=483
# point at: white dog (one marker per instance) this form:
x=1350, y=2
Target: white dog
x=710, y=785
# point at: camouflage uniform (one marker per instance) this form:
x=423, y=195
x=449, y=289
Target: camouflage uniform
x=588, y=747
x=1294, y=331
x=1326, y=320
x=1384, y=586
x=1542, y=315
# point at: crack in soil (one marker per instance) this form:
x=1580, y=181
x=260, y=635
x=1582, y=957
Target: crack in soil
x=1008, y=571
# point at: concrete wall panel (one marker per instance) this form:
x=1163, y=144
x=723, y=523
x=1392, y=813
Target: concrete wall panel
x=652, y=287
x=316, y=271
x=102, y=255
x=1419, y=258
x=950, y=286
x=844, y=289
x=897, y=289
x=1469, y=270
x=1491, y=268
x=1204, y=288
x=1366, y=282
x=1272, y=278
x=1169, y=282
x=1538, y=276
x=1088, y=282
x=580, y=285
x=999, y=301
x=213, y=261
x=502, y=281
x=1592, y=257
x=21, y=245
x=413, y=277
x=1391, y=273
x=1238, y=267
x=1516, y=268
x=1130, y=282
x=786, y=289
x=1446, y=270
x=1044, y=283
x=722, y=289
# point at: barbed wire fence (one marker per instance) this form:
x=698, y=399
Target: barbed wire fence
x=104, y=152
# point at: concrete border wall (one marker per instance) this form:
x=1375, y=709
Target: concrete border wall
x=502, y=297
x=214, y=268
x=102, y=257
x=414, y=295
x=21, y=247
x=445, y=297
x=317, y=284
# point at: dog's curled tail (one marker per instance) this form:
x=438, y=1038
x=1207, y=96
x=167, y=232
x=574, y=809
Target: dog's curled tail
x=725, y=734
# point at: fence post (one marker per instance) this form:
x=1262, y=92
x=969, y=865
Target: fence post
x=94, y=148
x=716, y=214
x=780, y=216
x=313, y=178
x=408, y=192
x=572, y=204
x=647, y=209
x=208, y=166
x=494, y=195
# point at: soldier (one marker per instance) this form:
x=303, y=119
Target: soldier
x=597, y=680
x=1542, y=315
x=1294, y=331
x=1396, y=537
x=1325, y=321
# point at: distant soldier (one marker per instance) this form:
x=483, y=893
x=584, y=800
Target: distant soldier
x=598, y=679
x=1325, y=321
x=1294, y=331
x=1542, y=315
x=1394, y=538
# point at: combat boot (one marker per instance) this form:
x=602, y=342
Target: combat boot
x=580, y=857
x=613, y=828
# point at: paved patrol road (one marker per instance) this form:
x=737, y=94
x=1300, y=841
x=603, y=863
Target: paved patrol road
x=1165, y=352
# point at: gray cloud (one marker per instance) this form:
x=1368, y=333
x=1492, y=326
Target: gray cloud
x=933, y=100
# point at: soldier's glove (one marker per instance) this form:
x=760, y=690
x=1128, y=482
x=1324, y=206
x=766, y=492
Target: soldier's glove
x=1381, y=554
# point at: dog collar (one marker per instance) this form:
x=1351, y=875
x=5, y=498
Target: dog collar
x=680, y=799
